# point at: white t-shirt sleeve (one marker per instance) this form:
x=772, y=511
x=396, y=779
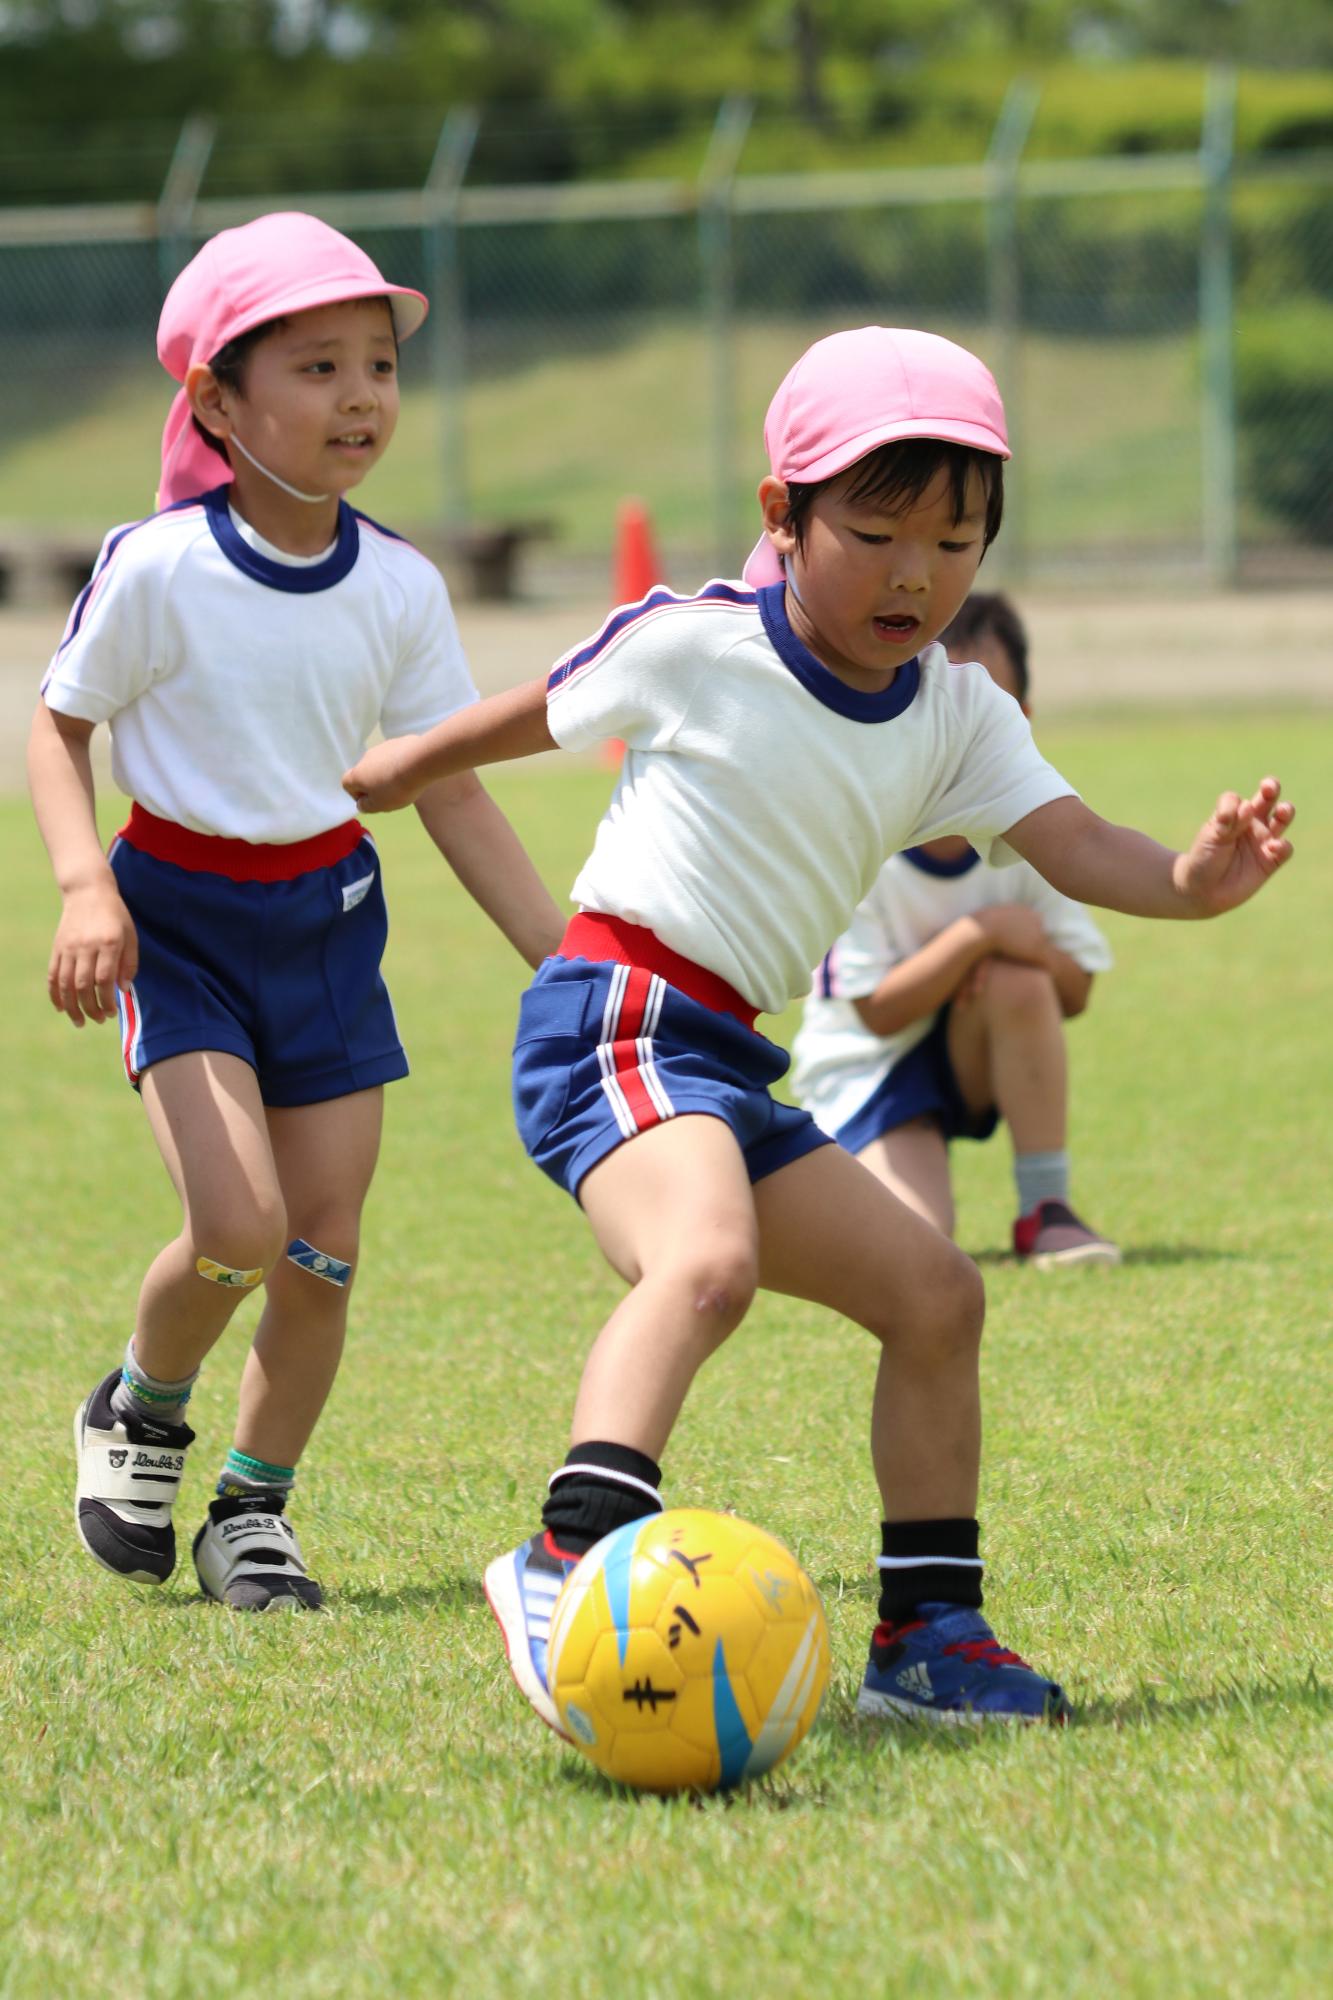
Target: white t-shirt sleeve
x=1068, y=926
x=113, y=642
x=1000, y=775
x=431, y=679
x=633, y=680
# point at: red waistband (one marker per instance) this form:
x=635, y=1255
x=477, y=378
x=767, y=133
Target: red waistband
x=600, y=939
x=240, y=860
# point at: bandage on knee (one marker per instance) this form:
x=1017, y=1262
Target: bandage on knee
x=225, y=1274
x=318, y=1262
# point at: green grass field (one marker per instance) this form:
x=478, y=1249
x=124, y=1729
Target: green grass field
x=361, y=1804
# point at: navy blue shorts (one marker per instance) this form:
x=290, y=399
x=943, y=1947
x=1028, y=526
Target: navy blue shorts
x=606, y=1051
x=285, y=975
x=921, y=1085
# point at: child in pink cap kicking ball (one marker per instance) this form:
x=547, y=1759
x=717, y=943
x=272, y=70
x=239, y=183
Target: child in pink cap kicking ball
x=242, y=644
x=783, y=735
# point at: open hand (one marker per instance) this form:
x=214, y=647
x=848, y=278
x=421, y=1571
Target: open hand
x=382, y=780
x=96, y=950
x=1240, y=844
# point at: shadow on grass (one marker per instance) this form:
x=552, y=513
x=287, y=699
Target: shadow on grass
x=1147, y=1254
x=450, y=1593
x=1260, y=1698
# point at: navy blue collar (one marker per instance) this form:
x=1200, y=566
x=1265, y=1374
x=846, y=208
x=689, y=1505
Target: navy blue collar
x=815, y=677
x=282, y=576
x=930, y=864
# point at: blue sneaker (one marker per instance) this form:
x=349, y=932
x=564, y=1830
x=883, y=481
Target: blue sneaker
x=521, y=1589
x=947, y=1666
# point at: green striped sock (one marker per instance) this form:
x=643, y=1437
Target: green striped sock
x=241, y=1474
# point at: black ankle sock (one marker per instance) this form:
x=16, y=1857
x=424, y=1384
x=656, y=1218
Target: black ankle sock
x=598, y=1489
x=927, y=1562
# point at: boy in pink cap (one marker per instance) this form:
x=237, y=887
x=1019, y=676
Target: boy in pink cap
x=783, y=735
x=242, y=644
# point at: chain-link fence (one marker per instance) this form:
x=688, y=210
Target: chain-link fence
x=1162, y=329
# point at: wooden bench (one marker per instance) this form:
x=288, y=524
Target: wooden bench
x=39, y=569
x=489, y=556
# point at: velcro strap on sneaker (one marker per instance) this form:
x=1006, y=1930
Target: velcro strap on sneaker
x=148, y=1474
x=245, y=1536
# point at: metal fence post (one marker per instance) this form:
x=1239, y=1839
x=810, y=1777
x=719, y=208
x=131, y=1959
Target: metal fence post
x=1004, y=297
x=1216, y=328
x=447, y=323
x=180, y=191
x=716, y=179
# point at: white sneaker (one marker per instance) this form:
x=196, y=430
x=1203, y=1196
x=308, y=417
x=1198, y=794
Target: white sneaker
x=128, y=1478
x=247, y=1556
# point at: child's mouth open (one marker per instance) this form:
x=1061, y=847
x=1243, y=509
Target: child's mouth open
x=898, y=626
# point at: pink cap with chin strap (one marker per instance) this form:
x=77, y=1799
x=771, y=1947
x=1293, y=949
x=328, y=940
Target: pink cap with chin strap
x=280, y=264
x=874, y=385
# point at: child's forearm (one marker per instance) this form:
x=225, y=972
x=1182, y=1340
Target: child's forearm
x=504, y=726
x=923, y=982
x=1092, y=861
x=489, y=860
x=60, y=780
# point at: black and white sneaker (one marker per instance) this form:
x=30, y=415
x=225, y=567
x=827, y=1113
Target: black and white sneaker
x=247, y=1556
x=129, y=1475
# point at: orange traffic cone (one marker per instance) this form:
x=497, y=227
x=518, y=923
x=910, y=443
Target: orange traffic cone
x=637, y=570
x=637, y=567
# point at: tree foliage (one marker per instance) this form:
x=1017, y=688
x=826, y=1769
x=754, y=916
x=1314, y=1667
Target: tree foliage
x=315, y=93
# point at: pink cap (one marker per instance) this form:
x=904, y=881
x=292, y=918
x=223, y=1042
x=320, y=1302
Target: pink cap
x=276, y=265
x=870, y=386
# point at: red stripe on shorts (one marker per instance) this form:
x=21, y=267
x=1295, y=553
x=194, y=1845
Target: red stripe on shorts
x=627, y=1028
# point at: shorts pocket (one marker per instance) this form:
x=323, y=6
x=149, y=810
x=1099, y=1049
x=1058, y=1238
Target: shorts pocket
x=549, y=1041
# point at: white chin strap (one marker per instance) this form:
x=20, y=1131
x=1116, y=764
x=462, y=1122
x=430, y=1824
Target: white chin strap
x=312, y=498
x=791, y=580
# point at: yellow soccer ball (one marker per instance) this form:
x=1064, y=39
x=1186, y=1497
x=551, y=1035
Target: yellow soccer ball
x=688, y=1652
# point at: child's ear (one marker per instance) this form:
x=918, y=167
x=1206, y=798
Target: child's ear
x=207, y=400
x=774, y=502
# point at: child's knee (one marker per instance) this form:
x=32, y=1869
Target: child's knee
x=720, y=1284
x=1020, y=991
x=240, y=1235
x=324, y=1246
x=948, y=1310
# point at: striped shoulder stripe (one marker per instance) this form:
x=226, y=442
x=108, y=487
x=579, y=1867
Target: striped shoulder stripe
x=712, y=597
x=83, y=603
x=389, y=534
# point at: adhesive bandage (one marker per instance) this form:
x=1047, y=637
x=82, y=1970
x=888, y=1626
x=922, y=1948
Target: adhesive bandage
x=318, y=1262
x=223, y=1274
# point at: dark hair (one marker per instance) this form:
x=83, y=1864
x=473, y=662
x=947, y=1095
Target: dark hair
x=228, y=366
x=896, y=476
x=990, y=615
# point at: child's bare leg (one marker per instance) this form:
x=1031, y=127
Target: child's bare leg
x=672, y=1212
x=1007, y=1049
x=206, y=1115
x=829, y=1231
x=208, y=1120
x=913, y=1163
x=325, y=1156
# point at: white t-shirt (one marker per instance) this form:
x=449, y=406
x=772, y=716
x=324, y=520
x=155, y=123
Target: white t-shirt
x=839, y=1063
x=240, y=683
x=759, y=794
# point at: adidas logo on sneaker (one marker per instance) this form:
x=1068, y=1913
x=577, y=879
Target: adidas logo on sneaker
x=915, y=1680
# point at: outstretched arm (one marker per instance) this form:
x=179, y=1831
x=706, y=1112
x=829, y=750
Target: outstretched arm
x=1239, y=846
x=489, y=860
x=395, y=773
